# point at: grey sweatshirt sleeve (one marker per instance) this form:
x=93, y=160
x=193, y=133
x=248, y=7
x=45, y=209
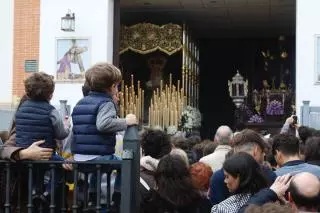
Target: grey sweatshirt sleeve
x=60, y=132
x=107, y=120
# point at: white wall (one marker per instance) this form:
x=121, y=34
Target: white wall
x=94, y=19
x=6, y=50
x=308, y=26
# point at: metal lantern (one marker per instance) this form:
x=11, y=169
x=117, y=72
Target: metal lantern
x=238, y=89
x=68, y=22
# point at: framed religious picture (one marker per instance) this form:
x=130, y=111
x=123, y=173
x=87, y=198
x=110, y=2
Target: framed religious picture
x=72, y=58
x=317, y=59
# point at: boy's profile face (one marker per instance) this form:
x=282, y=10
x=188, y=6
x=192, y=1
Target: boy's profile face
x=114, y=89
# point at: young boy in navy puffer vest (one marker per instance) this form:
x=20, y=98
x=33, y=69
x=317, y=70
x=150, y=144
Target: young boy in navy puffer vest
x=36, y=119
x=95, y=121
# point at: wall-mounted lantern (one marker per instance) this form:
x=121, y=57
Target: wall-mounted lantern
x=68, y=22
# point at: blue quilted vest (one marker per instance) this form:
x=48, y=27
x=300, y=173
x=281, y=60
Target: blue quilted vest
x=33, y=123
x=87, y=140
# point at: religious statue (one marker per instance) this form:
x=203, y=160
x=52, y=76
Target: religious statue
x=156, y=65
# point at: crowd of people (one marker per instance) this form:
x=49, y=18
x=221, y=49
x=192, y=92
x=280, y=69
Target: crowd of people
x=238, y=171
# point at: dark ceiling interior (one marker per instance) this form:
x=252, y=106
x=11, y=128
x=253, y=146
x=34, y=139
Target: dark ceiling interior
x=216, y=18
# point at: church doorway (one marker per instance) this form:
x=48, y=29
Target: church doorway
x=256, y=37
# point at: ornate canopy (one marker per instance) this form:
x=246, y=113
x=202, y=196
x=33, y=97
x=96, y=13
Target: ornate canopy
x=144, y=38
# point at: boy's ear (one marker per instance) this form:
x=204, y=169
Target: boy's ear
x=50, y=97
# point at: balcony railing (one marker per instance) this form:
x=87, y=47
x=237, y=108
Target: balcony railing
x=23, y=181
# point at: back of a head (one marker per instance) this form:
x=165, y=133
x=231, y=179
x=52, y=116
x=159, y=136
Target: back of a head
x=85, y=89
x=181, y=153
x=174, y=181
x=304, y=132
x=193, y=140
x=245, y=167
x=155, y=143
x=39, y=86
x=246, y=138
x=223, y=135
x=287, y=144
x=304, y=192
x=102, y=76
x=200, y=175
x=180, y=142
x=209, y=148
x=269, y=208
x=312, y=149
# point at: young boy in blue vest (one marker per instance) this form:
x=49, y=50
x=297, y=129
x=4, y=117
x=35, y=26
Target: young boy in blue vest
x=36, y=119
x=95, y=121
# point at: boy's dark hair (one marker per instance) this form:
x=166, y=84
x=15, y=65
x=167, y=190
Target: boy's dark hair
x=102, y=76
x=155, y=143
x=85, y=89
x=39, y=86
x=312, y=149
x=285, y=143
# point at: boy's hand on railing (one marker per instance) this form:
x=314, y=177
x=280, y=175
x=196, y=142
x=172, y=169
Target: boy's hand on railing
x=35, y=152
x=68, y=166
x=131, y=119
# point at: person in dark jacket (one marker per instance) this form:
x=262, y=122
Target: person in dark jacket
x=155, y=144
x=174, y=192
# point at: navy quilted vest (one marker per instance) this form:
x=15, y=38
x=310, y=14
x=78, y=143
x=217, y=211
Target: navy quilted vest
x=87, y=140
x=33, y=123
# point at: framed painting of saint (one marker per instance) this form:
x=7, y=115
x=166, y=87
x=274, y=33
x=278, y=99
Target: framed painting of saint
x=73, y=58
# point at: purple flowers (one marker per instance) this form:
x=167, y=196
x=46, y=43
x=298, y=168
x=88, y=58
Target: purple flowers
x=275, y=108
x=244, y=108
x=256, y=119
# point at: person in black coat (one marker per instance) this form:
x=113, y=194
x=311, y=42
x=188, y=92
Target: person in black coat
x=174, y=192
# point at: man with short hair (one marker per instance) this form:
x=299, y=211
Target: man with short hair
x=247, y=141
x=285, y=149
x=304, y=192
x=223, y=137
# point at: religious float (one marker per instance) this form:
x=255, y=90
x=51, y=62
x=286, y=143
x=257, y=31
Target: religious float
x=165, y=61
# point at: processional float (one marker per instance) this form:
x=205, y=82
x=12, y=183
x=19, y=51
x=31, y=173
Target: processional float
x=169, y=98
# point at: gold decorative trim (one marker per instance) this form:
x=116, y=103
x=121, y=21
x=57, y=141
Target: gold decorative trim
x=144, y=38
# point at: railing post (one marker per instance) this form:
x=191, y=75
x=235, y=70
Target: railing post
x=7, y=203
x=131, y=143
x=305, y=113
x=30, y=176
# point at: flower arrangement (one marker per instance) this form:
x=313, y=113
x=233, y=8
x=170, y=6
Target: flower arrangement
x=172, y=130
x=190, y=118
x=275, y=108
x=256, y=119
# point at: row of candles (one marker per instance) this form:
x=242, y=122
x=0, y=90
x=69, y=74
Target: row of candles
x=131, y=100
x=166, y=104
